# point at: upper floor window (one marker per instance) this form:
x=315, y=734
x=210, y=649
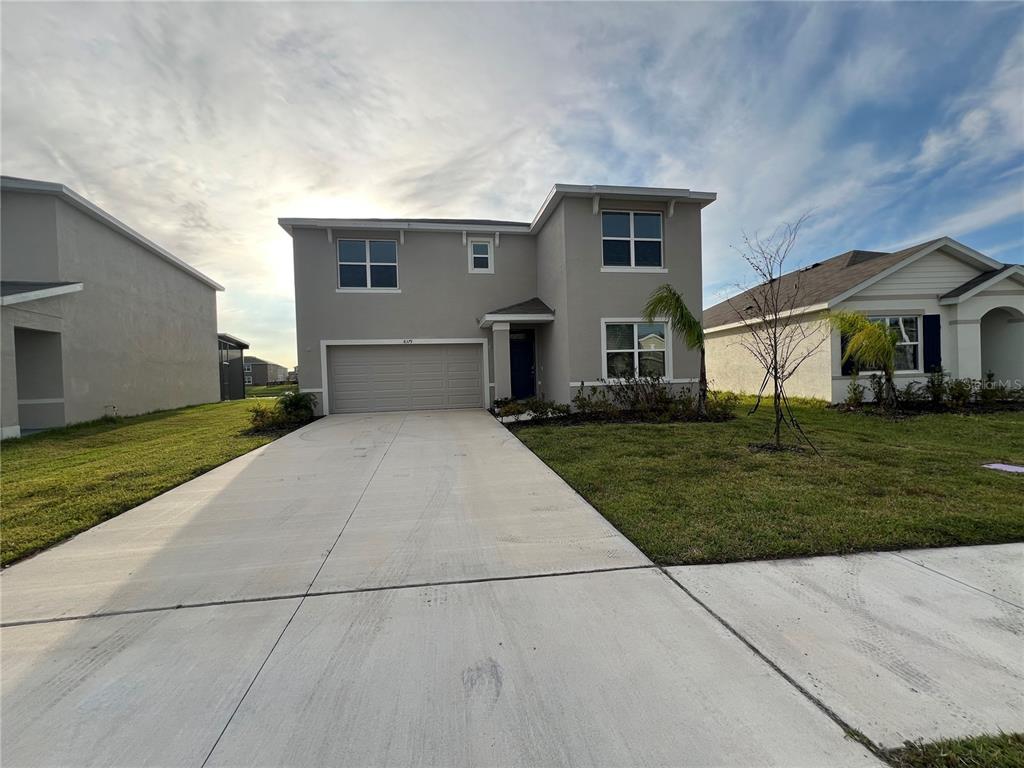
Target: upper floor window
x=248, y=367
x=634, y=349
x=481, y=256
x=367, y=264
x=631, y=239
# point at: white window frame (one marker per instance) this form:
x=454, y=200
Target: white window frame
x=490, y=255
x=368, y=288
x=632, y=243
x=918, y=343
x=636, y=322
x=248, y=380
x=247, y=367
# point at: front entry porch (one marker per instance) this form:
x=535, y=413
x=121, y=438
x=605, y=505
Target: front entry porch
x=514, y=339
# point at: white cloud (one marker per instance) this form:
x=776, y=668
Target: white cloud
x=201, y=124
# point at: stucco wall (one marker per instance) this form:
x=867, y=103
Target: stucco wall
x=28, y=237
x=593, y=294
x=141, y=335
x=732, y=368
x=553, y=338
x=439, y=297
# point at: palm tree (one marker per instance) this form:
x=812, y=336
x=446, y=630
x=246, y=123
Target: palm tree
x=871, y=346
x=666, y=302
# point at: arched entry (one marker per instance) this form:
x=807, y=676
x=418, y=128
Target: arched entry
x=1002, y=345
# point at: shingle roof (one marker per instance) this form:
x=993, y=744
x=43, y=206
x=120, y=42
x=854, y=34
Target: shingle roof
x=532, y=306
x=974, y=282
x=14, y=287
x=260, y=360
x=819, y=282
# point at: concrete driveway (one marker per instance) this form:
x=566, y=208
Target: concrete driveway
x=388, y=589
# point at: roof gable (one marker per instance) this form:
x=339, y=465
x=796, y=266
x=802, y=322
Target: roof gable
x=836, y=279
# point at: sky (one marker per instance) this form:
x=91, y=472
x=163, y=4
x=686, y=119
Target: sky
x=200, y=124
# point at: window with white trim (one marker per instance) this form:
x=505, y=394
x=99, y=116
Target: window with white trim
x=634, y=349
x=481, y=256
x=248, y=367
x=631, y=239
x=367, y=264
x=908, y=344
x=248, y=379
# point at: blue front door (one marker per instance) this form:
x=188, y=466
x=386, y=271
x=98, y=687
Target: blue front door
x=523, y=363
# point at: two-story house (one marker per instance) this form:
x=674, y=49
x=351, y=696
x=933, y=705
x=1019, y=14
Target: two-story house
x=260, y=372
x=96, y=318
x=402, y=314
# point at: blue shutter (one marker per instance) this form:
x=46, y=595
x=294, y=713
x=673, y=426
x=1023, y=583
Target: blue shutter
x=932, y=343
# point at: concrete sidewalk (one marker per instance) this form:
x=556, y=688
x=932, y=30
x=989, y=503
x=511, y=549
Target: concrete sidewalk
x=381, y=590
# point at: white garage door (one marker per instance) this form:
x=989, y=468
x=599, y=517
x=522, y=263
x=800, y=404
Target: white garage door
x=405, y=377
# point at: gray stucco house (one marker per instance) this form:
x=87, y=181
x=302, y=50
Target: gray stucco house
x=230, y=350
x=96, y=319
x=260, y=372
x=397, y=314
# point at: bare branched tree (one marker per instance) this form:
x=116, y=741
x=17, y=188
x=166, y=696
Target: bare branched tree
x=779, y=338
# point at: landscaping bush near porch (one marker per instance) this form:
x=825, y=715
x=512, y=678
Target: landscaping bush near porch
x=688, y=492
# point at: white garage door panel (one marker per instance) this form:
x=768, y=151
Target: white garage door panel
x=398, y=377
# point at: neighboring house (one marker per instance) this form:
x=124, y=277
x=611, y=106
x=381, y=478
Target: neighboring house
x=232, y=377
x=396, y=314
x=954, y=309
x=96, y=319
x=259, y=372
x=293, y=376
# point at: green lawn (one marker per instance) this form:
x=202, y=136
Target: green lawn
x=1003, y=751
x=695, y=492
x=270, y=390
x=56, y=484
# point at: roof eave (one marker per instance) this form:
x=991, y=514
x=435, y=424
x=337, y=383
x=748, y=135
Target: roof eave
x=1016, y=270
x=42, y=293
x=488, y=320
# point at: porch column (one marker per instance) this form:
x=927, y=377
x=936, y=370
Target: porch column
x=968, y=349
x=502, y=370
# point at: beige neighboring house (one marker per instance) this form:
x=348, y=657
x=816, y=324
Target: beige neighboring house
x=399, y=314
x=954, y=308
x=96, y=318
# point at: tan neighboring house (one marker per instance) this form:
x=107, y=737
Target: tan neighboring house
x=400, y=314
x=96, y=319
x=954, y=308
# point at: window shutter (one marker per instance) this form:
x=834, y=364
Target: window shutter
x=849, y=367
x=932, y=343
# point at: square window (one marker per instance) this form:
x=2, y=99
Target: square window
x=383, y=252
x=651, y=336
x=383, y=276
x=352, y=251
x=352, y=276
x=647, y=225
x=481, y=249
x=481, y=262
x=619, y=336
x=648, y=253
x=616, y=253
x=614, y=224
x=906, y=357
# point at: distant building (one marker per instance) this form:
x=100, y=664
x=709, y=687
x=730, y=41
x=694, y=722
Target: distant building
x=97, y=319
x=260, y=372
x=232, y=377
x=293, y=375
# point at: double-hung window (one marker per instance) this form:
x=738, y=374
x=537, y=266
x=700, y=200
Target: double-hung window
x=634, y=349
x=481, y=256
x=908, y=340
x=248, y=367
x=248, y=379
x=631, y=240
x=367, y=265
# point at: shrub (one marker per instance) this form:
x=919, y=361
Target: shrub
x=854, y=392
x=645, y=396
x=960, y=392
x=935, y=386
x=913, y=392
x=721, y=406
x=292, y=409
x=593, y=402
